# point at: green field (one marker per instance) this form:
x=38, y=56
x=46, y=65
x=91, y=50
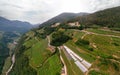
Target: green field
x=52, y=66
x=106, y=32
x=77, y=49
x=105, y=54
x=75, y=34
x=6, y=65
x=38, y=52
x=41, y=58
x=81, y=51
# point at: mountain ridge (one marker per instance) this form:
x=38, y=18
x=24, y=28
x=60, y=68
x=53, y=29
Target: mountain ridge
x=107, y=17
x=62, y=18
x=14, y=25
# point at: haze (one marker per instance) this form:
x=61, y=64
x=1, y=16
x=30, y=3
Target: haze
x=38, y=11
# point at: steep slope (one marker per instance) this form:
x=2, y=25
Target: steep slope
x=108, y=17
x=34, y=56
x=10, y=31
x=62, y=18
x=99, y=47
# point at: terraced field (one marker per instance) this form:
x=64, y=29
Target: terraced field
x=95, y=47
x=72, y=69
x=102, y=51
x=40, y=57
x=103, y=31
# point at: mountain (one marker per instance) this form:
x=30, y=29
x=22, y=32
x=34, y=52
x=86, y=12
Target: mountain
x=107, y=18
x=62, y=18
x=15, y=25
x=65, y=49
x=10, y=32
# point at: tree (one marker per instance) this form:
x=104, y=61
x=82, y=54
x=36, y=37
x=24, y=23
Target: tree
x=81, y=27
x=59, y=38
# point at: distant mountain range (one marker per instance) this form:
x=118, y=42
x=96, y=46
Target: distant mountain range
x=10, y=31
x=64, y=17
x=15, y=25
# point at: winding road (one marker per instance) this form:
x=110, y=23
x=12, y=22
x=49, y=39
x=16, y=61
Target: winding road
x=13, y=61
x=52, y=47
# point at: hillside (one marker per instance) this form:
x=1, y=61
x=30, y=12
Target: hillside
x=88, y=49
x=64, y=17
x=96, y=50
x=107, y=18
x=35, y=56
x=10, y=32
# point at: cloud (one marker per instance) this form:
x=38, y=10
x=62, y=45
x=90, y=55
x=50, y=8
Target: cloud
x=103, y=4
x=38, y=11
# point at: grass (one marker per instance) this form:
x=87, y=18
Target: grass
x=74, y=33
x=116, y=47
x=72, y=69
x=94, y=72
x=104, y=32
x=81, y=52
x=8, y=61
x=40, y=57
x=105, y=57
x=71, y=44
x=6, y=65
x=38, y=52
x=107, y=50
x=104, y=44
x=52, y=66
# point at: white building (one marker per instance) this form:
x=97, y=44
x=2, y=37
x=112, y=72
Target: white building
x=55, y=25
x=74, y=24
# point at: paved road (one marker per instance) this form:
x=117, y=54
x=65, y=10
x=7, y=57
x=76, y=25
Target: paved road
x=13, y=61
x=50, y=46
x=65, y=68
x=81, y=63
x=53, y=48
x=48, y=40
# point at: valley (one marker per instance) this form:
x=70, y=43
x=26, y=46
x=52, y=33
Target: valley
x=7, y=49
x=67, y=44
x=10, y=33
x=96, y=50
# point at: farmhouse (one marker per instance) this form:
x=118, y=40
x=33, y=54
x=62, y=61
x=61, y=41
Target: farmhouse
x=74, y=24
x=55, y=25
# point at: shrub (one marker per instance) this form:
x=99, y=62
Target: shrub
x=82, y=42
x=116, y=66
x=116, y=44
x=59, y=38
x=90, y=48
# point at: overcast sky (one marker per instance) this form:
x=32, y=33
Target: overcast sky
x=38, y=11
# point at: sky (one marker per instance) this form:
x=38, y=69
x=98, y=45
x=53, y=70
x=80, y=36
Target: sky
x=39, y=11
